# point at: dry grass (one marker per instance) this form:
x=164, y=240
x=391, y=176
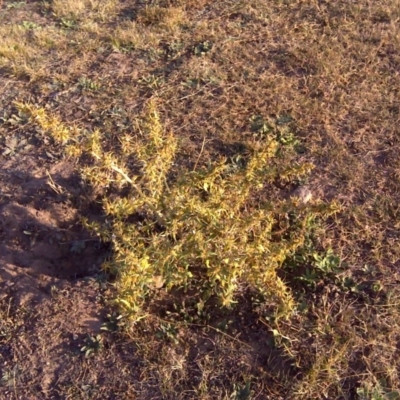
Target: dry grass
x=326, y=71
x=82, y=10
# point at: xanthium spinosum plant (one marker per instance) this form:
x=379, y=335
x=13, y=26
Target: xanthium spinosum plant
x=212, y=228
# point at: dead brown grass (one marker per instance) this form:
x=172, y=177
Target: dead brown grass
x=333, y=67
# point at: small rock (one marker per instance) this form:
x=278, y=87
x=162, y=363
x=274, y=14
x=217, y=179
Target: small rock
x=303, y=193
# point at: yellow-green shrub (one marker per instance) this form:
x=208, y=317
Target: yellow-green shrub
x=212, y=228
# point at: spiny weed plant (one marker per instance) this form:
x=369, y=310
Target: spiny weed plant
x=213, y=228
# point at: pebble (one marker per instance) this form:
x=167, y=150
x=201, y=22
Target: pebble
x=303, y=193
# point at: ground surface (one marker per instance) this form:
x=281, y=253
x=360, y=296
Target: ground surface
x=331, y=68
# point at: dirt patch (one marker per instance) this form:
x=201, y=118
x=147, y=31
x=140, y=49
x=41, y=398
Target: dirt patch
x=48, y=266
x=41, y=238
x=41, y=356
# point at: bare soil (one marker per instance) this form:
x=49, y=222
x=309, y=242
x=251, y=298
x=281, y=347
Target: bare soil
x=45, y=255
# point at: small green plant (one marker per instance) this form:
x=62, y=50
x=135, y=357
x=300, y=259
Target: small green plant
x=168, y=331
x=152, y=81
x=16, y=4
x=29, y=25
x=260, y=125
x=13, y=145
x=315, y=265
x=326, y=263
x=201, y=49
x=241, y=392
x=68, y=23
x=174, y=49
x=93, y=344
x=280, y=128
x=113, y=322
x=10, y=377
x=88, y=84
x=368, y=392
x=121, y=46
